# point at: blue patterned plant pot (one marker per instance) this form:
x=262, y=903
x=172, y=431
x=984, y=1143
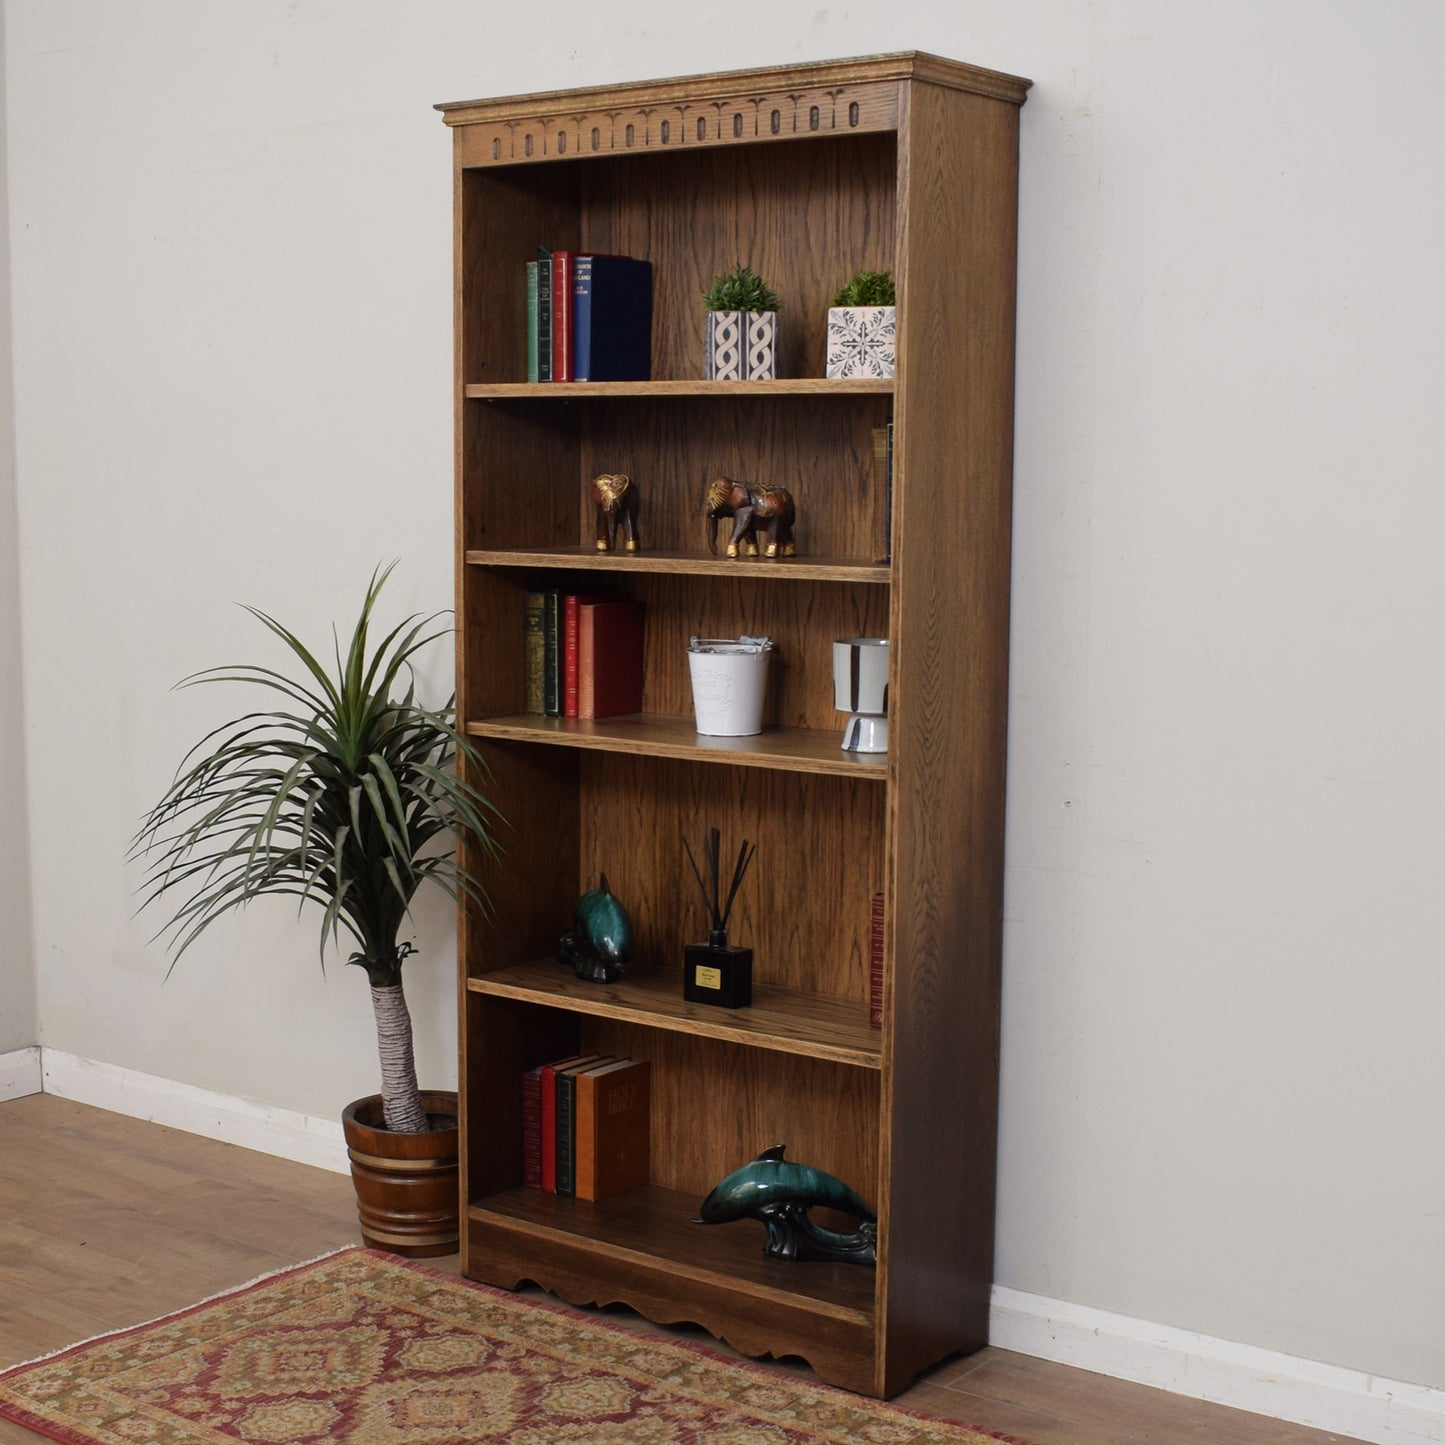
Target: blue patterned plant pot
x=742, y=345
x=860, y=340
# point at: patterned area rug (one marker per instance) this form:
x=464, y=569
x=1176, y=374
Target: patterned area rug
x=363, y=1348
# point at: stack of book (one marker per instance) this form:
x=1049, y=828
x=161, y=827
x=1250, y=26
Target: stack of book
x=585, y=1125
x=876, y=916
x=589, y=317
x=583, y=653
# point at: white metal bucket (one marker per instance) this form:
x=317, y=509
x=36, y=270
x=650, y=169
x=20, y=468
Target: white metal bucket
x=729, y=679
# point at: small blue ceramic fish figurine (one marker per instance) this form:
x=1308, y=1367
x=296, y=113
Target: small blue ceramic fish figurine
x=780, y=1193
x=600, y=944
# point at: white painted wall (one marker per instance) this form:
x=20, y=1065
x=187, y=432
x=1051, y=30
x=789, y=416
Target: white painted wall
x=230, y=241
x=19, y=1027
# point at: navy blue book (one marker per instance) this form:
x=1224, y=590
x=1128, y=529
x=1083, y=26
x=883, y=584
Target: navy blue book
x=611, y=319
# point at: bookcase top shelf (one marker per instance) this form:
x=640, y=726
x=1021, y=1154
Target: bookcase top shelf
x=551, y=391
x=748, y=107
x=790, y=1023
x=893, y=66
x=686, y=564
x=796, y=750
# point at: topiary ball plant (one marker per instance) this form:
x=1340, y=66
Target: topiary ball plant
x=868, y=288
x=741, y=289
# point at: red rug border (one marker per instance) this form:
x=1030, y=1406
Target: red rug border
x=63, y=1433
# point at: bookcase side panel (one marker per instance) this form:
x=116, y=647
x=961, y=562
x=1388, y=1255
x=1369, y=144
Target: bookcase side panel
x=957, y=215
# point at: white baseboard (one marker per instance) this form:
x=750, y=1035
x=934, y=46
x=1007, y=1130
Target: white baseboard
x=1245, y=1377
x=20, y=1073
x=282, y=1132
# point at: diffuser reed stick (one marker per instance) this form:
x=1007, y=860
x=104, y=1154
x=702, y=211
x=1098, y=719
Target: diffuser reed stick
x=711, y=886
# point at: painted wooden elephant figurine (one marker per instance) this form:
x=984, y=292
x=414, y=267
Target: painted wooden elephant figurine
x=616, y=500
x=753, y=510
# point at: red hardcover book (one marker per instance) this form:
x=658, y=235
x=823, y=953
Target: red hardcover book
x=564, y=316
x=532, y=1128
x=609, y=658
x=570, y=603
x=547, y=1082
x=875, y=963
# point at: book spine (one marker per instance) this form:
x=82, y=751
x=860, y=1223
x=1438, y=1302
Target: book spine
x=875, y=964
x=569, y=655
x=551, y=653
x=532, y=1128
x=562, y=315
x=544, y=315
x=582, y=318
x=532, y=372
x=547, y=1164
x=534, y=651
x=566, y=1133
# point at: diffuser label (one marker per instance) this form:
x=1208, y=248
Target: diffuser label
x=708, y=977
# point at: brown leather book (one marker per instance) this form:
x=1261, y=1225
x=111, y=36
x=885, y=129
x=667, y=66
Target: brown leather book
x=613, y=1113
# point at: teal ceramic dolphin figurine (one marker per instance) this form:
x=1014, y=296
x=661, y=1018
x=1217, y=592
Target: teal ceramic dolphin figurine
x=779, y=1193
x=600, y=944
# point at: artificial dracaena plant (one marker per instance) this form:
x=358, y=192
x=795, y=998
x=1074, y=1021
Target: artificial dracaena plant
x=345, y=796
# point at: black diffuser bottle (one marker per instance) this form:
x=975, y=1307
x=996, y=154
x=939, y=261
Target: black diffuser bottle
x=716, y=972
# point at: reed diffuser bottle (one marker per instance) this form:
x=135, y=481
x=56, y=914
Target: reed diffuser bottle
x=716, y=972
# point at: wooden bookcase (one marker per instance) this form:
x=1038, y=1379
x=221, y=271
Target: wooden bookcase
x=902, y=162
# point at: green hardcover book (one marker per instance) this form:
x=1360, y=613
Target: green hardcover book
x=535, y=651
x=544, y=314
x=532, y=372
x=552, y=652
x=566, y=1145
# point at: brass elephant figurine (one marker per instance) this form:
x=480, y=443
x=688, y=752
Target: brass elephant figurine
x=753, y=510
x=615, y=497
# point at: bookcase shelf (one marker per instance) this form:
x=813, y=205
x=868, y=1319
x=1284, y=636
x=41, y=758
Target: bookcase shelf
x=802, y=750
x=686, y=564
x=808, y=173
x=718, y=391
x=681, y=1271
x=807, y=1024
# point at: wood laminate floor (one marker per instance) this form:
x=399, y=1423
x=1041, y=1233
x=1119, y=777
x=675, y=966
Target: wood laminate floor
x=106, y=1221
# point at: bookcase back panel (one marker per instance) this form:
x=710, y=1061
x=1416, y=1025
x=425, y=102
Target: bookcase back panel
x=803, y=907
x=504, y=216
x=716, y=1105
x=522, y=479
x=802, y=621
x=532, y=883
x=804, y=215
x=820, y=448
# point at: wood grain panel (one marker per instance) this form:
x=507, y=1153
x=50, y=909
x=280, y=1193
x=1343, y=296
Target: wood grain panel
x=805, y=215
x=804, y=911
x=799, y=1023
x=689, y=564
x=947, y=727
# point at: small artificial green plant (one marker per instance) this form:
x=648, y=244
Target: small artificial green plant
x=868, y=288
x=740, y=289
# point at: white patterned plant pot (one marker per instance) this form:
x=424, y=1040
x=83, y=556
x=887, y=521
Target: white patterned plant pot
x=742, y=345
x=860, y=340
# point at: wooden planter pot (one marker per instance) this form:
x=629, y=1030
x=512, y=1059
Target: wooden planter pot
x=742, y=345
x=407, y=1191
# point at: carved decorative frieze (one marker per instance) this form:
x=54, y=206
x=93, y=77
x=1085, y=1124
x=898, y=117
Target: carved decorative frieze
x=674, y=125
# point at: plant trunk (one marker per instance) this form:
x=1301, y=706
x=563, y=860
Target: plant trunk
x=401, y=1101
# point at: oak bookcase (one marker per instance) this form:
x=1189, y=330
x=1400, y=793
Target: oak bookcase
x=901, y=162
